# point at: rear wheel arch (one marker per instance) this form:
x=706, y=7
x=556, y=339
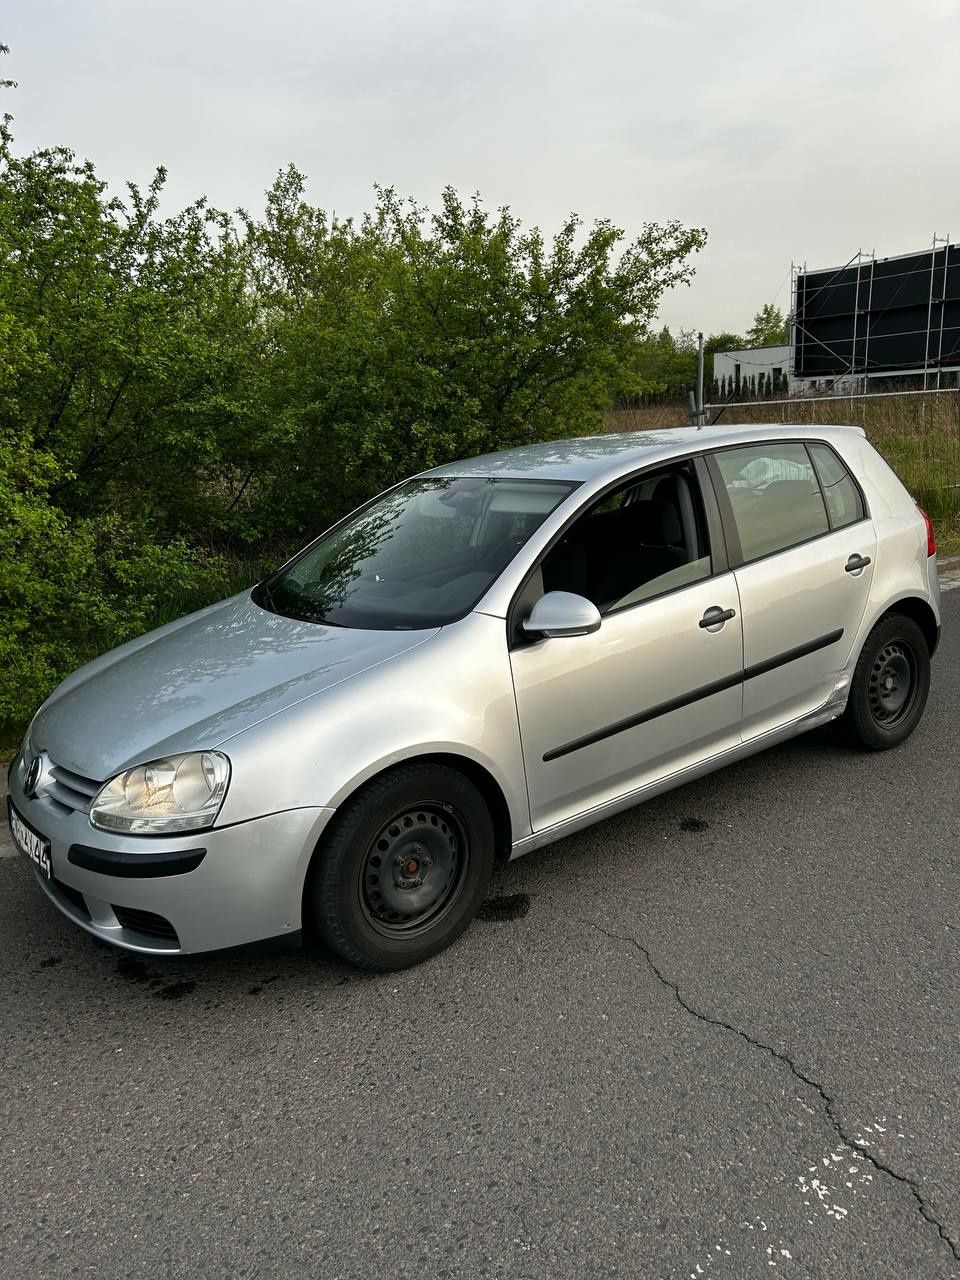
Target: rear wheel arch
x=890, y=683
x=920, y=612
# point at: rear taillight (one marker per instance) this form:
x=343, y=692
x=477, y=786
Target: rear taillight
x=931, y=537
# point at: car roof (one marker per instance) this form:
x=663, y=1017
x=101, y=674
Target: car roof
x=596, y=457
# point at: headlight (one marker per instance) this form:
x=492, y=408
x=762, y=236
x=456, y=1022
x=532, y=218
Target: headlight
x=177, y=793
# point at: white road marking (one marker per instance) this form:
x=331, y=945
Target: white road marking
x=950, y=580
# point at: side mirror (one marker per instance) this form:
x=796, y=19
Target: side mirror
x=561, y=613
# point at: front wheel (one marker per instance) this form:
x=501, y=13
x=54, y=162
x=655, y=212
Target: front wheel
x=403, y=867
x=890, y=685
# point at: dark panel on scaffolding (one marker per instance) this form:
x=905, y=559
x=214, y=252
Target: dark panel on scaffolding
x=892, y=314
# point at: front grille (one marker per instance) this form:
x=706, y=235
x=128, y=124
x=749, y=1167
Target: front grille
x=69, y=790
x=146, y=922
x=73, y=896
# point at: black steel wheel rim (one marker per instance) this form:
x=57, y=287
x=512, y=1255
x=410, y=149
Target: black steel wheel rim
x=892, y=690
x=414, y=870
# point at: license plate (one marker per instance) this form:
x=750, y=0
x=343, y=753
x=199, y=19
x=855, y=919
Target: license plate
x=30, y=842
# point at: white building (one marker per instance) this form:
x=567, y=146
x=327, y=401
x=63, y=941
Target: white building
x=737, y=367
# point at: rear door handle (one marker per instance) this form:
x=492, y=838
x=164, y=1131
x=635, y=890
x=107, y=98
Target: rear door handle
x=716, y=617
x=856, y=563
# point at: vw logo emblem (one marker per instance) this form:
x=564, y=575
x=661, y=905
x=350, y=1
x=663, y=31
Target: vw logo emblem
x=33, y=777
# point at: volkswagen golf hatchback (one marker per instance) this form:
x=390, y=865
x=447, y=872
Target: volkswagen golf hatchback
x=477, y=662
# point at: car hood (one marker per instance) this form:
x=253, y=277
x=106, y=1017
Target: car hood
x=199, y=681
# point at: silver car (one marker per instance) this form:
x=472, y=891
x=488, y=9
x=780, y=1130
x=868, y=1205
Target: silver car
x=481, y=660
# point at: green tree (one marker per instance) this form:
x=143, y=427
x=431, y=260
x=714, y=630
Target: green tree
x=411, y=338
x=666, y=364
x=69, y=585
x=662, y=364
x=144, y=329
x=769, y=328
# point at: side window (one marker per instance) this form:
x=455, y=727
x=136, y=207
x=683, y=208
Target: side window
x=844, y=503
x=639, y=541
x=774, y=496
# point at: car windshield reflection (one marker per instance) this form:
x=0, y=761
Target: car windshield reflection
x=421, y=555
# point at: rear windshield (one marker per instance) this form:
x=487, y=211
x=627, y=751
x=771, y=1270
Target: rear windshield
x=419, y=556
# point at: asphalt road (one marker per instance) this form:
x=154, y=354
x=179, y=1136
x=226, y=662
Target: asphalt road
x=714, y=1037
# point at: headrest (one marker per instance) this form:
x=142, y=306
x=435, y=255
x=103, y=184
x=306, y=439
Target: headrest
x=665, y=490
x=655, y=522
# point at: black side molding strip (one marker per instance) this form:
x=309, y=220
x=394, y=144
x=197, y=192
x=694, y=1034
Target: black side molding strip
x=661, y=709
x=791, y=655
x=705, y=691
x=136, y=866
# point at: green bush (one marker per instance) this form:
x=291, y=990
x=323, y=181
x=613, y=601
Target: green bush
x=73, y=586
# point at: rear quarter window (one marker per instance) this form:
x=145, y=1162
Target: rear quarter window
x=843, y=498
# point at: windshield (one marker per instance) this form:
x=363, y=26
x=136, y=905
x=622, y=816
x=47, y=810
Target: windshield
x=420, y=556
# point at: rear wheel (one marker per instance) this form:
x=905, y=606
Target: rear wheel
x=890, y=685
x=402, y=868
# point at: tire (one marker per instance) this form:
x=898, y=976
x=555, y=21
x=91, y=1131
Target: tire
x=402, y=868
x=890, y=685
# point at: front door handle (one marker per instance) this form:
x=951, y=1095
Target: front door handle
x=716, y=617
x=856, y=563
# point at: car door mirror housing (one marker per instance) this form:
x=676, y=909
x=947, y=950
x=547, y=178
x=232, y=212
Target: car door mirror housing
x=561, y=613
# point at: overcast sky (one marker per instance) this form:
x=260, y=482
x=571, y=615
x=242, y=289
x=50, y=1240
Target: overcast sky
x=790, y=132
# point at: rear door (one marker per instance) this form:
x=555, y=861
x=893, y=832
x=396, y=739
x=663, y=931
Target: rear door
x=803, y=548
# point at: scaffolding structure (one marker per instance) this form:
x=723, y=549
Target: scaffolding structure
x=879, y=318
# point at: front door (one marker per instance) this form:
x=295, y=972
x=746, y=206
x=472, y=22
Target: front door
x=658, y=686
x=647, y=694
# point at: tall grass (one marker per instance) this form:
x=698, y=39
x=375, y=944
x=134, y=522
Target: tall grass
x=919, y=435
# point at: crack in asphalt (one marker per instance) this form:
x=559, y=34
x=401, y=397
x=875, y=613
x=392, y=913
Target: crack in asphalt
x=828, y=1103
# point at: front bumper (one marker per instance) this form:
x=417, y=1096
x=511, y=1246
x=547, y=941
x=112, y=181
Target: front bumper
x=247, y=887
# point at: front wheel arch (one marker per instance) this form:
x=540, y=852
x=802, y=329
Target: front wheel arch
x=488, y=787
x=473, y=771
